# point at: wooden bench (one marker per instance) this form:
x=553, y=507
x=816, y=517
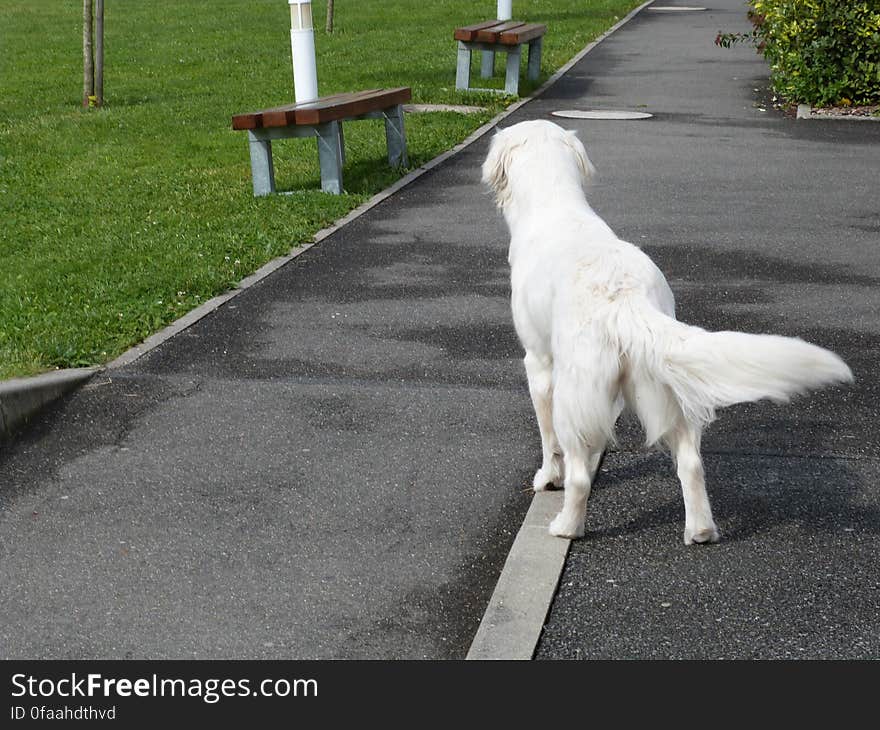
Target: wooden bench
x=492, y=36
x=323, y=119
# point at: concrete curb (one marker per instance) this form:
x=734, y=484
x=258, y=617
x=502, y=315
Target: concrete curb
x=22, y=398
x=428, y=108
x=805, y=111
x=514, y=619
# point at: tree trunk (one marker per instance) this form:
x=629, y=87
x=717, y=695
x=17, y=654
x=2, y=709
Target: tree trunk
x=88, y=64
x=99, y=52
x=329, y=26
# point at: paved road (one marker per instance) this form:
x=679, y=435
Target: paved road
x=761, y=223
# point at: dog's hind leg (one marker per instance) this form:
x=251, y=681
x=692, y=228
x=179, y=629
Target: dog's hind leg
x=586, y=404
x=579, y=465
x=596, y=463
x=539, y=370
x=684, y=443
x=662, y=418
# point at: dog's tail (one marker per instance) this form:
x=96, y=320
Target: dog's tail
x=710, y=370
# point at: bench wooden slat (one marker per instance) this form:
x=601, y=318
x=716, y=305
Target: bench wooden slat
x=246, y=121
x=357, y=105
x=508, y=33
x=522, y=34
x=325, y=109
x=254, y=120
x=313, y=110
x=493, y=33
x=469, y=32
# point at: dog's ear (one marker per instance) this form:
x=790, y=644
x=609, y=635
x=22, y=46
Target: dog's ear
x=586, y=167
x=496, y=166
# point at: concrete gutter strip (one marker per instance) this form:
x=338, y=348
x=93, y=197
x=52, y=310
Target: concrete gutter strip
x=514, y=618
x=21, y=398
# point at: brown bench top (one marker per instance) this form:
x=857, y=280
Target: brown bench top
x=325, y=109
x=506, y=32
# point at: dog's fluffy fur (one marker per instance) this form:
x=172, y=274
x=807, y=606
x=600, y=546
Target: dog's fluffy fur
x=597, y=321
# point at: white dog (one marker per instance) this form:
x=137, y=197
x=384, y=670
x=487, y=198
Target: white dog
x=597, y=321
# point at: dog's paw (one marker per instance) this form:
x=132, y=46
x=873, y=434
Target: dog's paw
x=702, y=536
x=551, y=474
x=544, y=478
x=564, y=526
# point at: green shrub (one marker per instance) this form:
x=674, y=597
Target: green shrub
x=821, y=51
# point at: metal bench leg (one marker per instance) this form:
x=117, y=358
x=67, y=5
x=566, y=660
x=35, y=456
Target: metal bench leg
x=395, y=136
x=262, y=169
x=511, y=84
x=342, y=144
x=463, y=70
x=329, y=157
x=487, y=64
x=534, y=69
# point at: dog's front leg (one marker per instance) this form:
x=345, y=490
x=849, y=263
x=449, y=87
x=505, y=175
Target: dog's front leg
x=539, y=370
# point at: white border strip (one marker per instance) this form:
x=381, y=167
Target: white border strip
x=514, y=619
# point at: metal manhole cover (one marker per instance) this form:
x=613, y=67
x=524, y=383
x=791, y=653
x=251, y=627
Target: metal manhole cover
x=601, y=114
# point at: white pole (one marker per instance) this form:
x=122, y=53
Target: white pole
x=302, y=46
x=487, y=66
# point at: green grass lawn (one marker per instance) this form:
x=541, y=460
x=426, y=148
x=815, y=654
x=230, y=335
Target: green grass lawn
x=117, y=221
